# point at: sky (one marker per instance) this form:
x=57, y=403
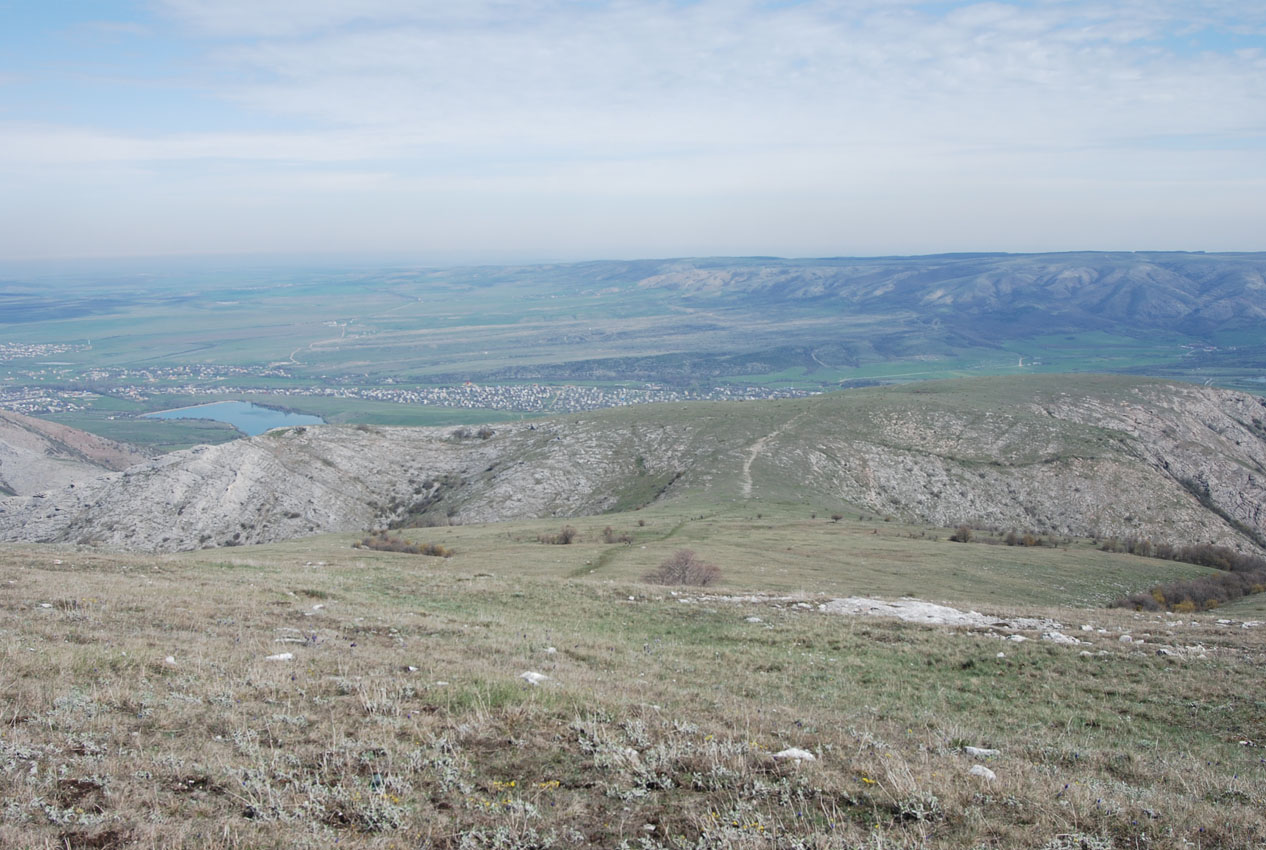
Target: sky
x=491, y=131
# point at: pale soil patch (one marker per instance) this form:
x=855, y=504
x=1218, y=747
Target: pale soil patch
x=909, y=610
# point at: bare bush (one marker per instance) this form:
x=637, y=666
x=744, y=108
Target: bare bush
x=610, y=535
x=1201, y=594
x=684, y=567
x=384, y=542
x=566, y=534
x=962, y=534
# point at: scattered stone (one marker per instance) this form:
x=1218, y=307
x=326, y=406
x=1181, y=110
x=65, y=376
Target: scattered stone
x=753, y=619
x=549, y=650
x=1002, y=655
x=983, y=772
x=1017, y=638
x=1060, y=637
x=533, y=678
x=1165, y=652
x=45, y=605
x=411, y=669
x=1087, y=628
x=317, y=607
x=170, y=661
x=281, y=656
x=1126, y=639
x=981, y=752
x=796, y=754
x=1085, y=653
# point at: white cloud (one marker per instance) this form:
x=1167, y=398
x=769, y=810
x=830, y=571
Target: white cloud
x=729, y=123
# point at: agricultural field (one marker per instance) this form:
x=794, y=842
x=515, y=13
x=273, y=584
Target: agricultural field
x=344, y=339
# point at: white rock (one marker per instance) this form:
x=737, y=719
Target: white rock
x=796, y=754
x=980, y=752
x=1002, y=655
x=317, y=607
x=1017, y=638
x=533, y=678
x=1085, y=653
x=916, y=611
x=753, y=619
x=549, y=650
x=1126, y=639
x=983, y=772
x=1087, y=628
x=1060, y=637
x=45, y=605
x=281, y=656
x=170, y=660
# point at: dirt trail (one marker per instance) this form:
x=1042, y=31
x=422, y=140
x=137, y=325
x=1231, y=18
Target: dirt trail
x=755, y=451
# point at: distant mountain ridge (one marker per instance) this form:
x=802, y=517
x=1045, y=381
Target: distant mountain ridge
x=1078, y=455
x=1189, y=292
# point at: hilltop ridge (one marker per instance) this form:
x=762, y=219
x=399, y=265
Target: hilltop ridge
x=1080, y=455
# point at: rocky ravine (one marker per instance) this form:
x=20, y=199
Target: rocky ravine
x=1073, y=455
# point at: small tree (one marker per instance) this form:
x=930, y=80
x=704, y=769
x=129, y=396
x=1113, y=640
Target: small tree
x=684, y=567
x=962, y=534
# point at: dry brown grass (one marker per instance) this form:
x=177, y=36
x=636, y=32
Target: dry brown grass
x=656, y=714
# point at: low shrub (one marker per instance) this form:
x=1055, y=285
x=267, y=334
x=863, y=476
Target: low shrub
x=684, y=567
x=384, y=542
x=567, y=534
x=1201, y=594
x=609, y=535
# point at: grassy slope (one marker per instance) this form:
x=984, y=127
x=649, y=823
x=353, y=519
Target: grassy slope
x=656, y=714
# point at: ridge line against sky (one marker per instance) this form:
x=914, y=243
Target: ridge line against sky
x=491, y=131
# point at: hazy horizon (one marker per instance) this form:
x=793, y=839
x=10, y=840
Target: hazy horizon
x=557, y=131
